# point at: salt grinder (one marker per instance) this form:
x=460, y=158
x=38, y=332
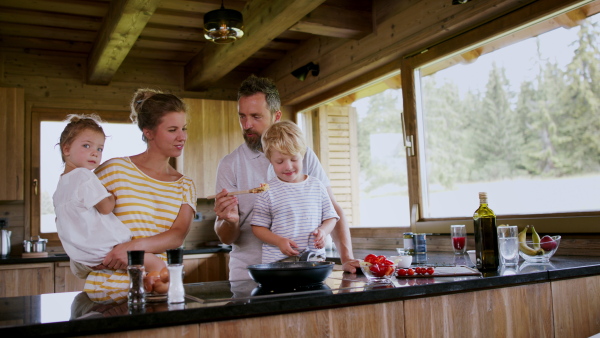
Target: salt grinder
x=176, y=292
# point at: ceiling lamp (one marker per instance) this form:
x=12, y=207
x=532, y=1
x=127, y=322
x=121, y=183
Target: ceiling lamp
x=303, y=71
x=223, y=25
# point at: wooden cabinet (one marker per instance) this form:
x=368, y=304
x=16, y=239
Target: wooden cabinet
x=205, y=267
x=26, y=279
x=576, y=307
x=214, y=131
x=12, y=141
x=65, y=280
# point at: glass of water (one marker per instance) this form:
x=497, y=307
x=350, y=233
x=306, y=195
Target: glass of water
x=509, y=244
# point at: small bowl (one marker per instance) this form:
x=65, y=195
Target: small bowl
x=403, y=261
x=373, y=277
x=545, y=252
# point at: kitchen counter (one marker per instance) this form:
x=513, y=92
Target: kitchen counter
x=71, y=313
x=62, y=257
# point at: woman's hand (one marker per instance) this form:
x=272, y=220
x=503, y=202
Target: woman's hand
x=287, y=246
x=116, y=259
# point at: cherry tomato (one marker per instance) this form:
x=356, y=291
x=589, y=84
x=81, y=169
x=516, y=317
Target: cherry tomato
x=370, y=258
x=418, y=270
x=410, y=272
x=401, y=272
x=430, y=270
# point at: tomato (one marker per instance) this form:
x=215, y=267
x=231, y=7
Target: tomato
x=388, y=262
x=401, y=272
x=418, y=270
x=381, y=259
x=370, y=258
x=410, y=272
x=388, y=270
x=376, y=270
x=430, y=270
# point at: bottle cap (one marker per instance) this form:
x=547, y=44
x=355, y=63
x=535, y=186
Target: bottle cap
x=483, y=195
x=136, y=257
x=175, y=256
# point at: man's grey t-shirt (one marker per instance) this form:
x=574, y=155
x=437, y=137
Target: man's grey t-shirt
x=245, y=169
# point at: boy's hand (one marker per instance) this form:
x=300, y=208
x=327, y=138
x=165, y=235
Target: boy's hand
x=320, y=236
x=287, y=246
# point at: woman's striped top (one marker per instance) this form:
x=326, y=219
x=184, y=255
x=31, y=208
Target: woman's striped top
x=146, y=206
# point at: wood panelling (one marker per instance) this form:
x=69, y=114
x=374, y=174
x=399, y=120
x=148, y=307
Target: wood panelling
x=65, y=280
x=214, y=130
x=205, y=268
x=26, y=279
x=576, y=307
x=12, y=134
x=519, y=311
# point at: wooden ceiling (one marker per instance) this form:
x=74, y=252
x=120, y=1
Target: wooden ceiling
x=110, y=31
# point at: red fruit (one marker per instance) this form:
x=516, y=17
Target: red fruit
x=387, y=270
x=376, y=270
x=547, y=243
x=388, y=262
x=380, y=259
x=410, y=272
x=401, y=272
x=430, y=270
x=370, y=258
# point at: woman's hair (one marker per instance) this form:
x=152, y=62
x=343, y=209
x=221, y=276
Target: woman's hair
x=149, y=106
x=77, y=124
x=254, y=84
x=284, y=137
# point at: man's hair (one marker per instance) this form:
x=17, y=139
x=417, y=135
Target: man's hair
x=285, y=137
x=254, y=84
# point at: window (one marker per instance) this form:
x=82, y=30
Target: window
x=123, y=139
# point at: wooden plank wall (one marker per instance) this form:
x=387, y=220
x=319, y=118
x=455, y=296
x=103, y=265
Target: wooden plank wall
x=339, y=158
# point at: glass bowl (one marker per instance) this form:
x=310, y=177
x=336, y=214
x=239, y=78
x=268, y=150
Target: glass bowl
x=542, y=254
x=382, y=273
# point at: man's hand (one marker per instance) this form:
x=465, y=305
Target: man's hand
x=351, y=265
x=226, y=207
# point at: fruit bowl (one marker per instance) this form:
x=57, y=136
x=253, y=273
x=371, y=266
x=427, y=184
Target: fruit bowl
x=378, y=273
x=539, y=252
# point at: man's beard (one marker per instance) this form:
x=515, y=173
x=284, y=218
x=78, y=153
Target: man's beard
x=253, y=143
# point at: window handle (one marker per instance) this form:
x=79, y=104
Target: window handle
x=35, y=186
x=408, y=139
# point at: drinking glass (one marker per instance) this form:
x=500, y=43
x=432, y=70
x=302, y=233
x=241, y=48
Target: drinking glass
x=459, y=238
x=508, y=244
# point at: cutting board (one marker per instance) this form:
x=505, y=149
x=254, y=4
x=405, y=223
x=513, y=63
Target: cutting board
x=448, y=271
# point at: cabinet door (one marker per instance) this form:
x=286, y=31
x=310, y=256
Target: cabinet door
x=65, y=280
x=576, y=306
x=213, y=132
x=12, y=140
x=26, y=279
x=205, y=268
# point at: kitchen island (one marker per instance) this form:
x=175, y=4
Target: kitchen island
x=558, y=299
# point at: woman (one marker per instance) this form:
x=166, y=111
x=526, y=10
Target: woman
x=153, y=200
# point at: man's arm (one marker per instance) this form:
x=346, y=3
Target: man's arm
x=341, y=237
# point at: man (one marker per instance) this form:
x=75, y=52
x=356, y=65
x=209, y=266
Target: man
x=247, y=167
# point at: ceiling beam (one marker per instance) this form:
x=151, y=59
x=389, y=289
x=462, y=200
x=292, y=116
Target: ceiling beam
x=122, y=26
x=264, y=20
x=336, y=22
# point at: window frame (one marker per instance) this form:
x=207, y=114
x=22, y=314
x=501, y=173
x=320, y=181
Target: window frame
x=39, y=115
x=530, y=15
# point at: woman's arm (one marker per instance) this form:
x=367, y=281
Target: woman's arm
x=172, y=238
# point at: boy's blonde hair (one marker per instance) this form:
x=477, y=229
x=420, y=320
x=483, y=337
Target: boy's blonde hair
x=284, y=137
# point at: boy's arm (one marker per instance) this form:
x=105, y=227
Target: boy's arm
x=284, y=244
x=322, y=231
x=107, y=205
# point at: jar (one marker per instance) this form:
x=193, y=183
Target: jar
x=37, y=244
x=409, y=244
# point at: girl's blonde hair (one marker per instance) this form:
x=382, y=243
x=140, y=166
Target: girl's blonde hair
x=285, y=137
x=77, y=124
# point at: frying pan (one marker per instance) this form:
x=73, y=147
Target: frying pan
x=290, y=273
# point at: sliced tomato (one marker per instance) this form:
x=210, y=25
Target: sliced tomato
x=370, y=258
x=376, y=270
x=389, y=270
x=388, y=262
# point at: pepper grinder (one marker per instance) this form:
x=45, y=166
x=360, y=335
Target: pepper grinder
x=135, y=269
x=176, y=292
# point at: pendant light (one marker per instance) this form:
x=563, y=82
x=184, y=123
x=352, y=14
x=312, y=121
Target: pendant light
x=223, y=25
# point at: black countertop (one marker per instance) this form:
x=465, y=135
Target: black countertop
x=62, y=257
x=72, y=313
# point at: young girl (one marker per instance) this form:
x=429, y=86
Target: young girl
x=86, y=225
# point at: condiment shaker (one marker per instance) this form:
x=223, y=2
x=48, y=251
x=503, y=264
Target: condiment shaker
x=176, y=292
x=137, y=294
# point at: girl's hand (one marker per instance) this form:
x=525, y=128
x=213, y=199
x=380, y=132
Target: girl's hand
x=287, y=246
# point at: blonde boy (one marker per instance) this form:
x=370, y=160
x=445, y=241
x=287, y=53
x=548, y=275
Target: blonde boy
x=296, y=205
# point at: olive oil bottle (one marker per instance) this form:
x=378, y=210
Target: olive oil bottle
x=486, y=238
